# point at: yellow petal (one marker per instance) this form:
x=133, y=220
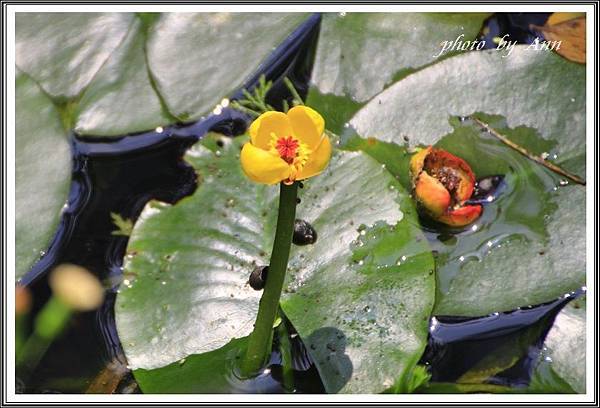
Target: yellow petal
x=317, y=161
x=308, y=125
x=263, y=167
x=267, y=123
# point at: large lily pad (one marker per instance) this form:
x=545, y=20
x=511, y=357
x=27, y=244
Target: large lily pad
x=118, y=73
x=43, y=172
x=359, y=54
x=188, y=264
x=121, y=98
x=63, y=51
x=563, y=360
x=199, y=58
x=527, y=88
x=529, y=245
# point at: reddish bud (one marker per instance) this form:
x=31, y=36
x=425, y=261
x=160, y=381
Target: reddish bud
x=442, y=184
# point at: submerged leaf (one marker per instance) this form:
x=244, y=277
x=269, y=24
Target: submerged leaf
x=124, y=225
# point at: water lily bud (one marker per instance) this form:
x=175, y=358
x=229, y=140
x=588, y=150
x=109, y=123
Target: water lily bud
x=76, y=287
x=443, y=183
x=22, y=300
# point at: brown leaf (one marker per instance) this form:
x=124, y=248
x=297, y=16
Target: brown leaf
x=571, y=34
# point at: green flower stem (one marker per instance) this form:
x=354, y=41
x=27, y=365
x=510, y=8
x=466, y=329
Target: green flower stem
x=259, y=343
x=49, y=323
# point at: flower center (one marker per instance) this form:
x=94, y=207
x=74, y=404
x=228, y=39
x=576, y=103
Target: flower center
x=287, y=147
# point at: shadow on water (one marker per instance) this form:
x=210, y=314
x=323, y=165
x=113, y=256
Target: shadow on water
x=328, y=348
x=499, y=349
x=121, y=176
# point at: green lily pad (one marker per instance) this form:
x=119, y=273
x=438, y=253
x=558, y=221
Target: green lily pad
x=63, y=51
x=188, y=264
x=528, y=88
x=359, y=54
x=563, y=362
x=121, y=99
x=200, y=58
x=118, y=73
x=529, y=245
x=43, y=172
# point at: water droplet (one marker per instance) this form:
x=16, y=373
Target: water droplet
x=363, y=233
x=217, y=110
x=163, y=283
x=126, y=282
x=225, y=102
x=218, y=153
x=361, y=262
x=433, y=324
x=474, y=227
x=563, y=182
x=572, y=99
x=545, y=155
x=342, y=14
x=159, y=129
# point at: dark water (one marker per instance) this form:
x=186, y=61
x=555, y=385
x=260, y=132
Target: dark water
x=121, y=176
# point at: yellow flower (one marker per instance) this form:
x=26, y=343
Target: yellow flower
x=286, y=147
